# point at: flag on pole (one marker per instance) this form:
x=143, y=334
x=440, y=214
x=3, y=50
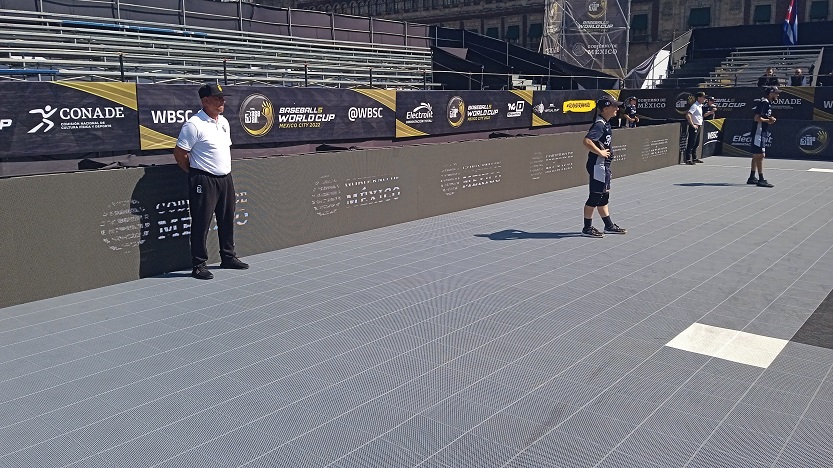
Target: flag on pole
x=791, y=24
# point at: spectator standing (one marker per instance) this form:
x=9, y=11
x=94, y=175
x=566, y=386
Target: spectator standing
x=709, y=108
x=694, y=117
x=203, y=150
x=630, y=112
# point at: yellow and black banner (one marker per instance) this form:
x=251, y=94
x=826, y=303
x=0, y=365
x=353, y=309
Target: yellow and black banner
x=563, y=107
x=63, y=117
x=264, y=114
x=421, y=113
x=788, y=139
x=793, y=103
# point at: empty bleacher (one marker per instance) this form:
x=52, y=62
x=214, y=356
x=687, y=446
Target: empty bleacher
x=745, y=65
x=72, y=47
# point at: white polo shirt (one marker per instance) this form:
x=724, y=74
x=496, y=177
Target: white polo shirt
x=209, y=143
x=696, y=111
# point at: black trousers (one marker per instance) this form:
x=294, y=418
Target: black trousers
x=209, y=194
x=693, y=138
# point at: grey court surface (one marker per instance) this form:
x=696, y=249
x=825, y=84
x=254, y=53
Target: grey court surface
x=493, y=337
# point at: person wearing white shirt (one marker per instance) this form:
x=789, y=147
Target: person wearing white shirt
x=203, y=150
x=694, y=117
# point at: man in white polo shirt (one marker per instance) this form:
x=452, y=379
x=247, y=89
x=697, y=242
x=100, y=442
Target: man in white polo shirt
x=203, y=151
x=694, y=117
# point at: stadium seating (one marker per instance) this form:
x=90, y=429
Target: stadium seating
x=101, y=49
x=743, y=66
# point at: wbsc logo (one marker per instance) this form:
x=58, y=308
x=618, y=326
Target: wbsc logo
x=596, y=8
x=257, y=115
x=813, y=140
x=456, y=111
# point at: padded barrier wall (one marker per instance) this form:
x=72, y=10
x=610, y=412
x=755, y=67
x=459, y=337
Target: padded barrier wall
x=64, y=233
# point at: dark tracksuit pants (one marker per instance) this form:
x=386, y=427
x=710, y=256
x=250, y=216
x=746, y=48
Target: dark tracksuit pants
x=210, y=194
x=691, y=147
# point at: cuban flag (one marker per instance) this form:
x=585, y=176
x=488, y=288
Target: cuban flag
x=791, y=24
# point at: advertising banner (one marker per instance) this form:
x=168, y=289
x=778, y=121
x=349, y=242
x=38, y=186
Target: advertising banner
x=261, y=114
x=553, y=27
x=563, y=107
x=421, y=113
x=713, y=137
x=63, y=117
x=794, y=103
x=790, y=139
x=595, y=34
x=823, y=104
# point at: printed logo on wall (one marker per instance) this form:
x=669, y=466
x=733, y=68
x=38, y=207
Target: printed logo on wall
x=542, y=109
x=5, y=123
x=170, y=116
x=75, y=118
x=327, y=194
x=456, y=111
x=453, y=177
x=359, y=113
x=423, y=113
x=257, y=115
x=812, y=140
x=596, y=8
x=515, y=109
x=125, y=225
x=541, y=164
x=584, y=105
x=683, y=102
x=450, y=178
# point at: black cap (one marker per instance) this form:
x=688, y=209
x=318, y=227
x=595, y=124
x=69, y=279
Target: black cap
x=772, y=90
x=211, y=89
x=632, y=98
x=606, y=101
x=700, y=94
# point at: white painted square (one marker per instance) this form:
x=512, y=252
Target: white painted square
x=732, y=345
x=815, y=169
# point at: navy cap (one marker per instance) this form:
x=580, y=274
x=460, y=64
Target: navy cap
x=632, y=98
x=211, y=89
x=606, y=101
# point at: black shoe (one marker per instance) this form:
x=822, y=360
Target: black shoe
x=764, y=183
x=591, y=232
x=234, y=263
x=752, y=180
x=201, y=272
x=615, y=229
x=690, y=163
x=699, y=161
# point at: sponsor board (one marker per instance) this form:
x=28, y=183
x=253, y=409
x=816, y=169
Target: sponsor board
x=421, y=113
x=60, y=117
x=789, y=139
x=260, y=114
x=563, y=107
